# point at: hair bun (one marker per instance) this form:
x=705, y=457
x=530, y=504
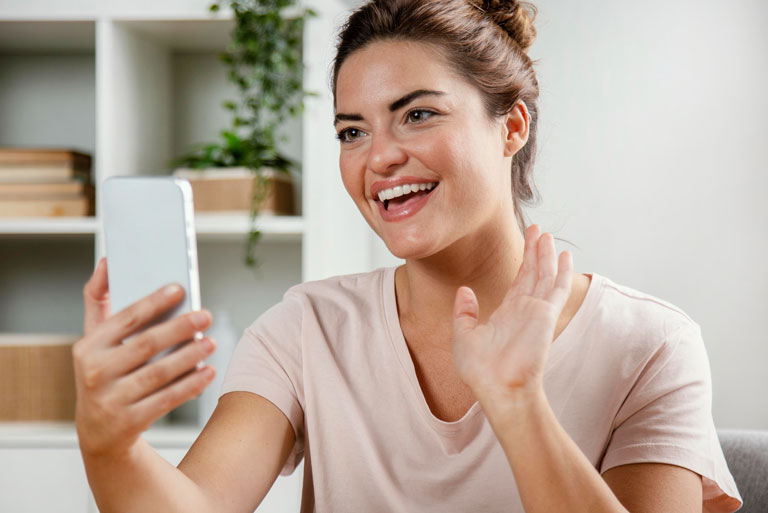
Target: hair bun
x=516, y=18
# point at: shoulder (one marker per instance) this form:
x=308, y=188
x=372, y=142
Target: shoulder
x=638, y=325
x=332, y=298
x=630, y=306
x=629, y=311
x=342, y=290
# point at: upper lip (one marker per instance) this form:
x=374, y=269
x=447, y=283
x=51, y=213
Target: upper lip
x=394, y=182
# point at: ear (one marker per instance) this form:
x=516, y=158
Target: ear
x=516, y=128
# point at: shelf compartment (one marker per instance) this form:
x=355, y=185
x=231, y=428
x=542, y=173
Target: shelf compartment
x=48, y=100
x=165, y=86
x=70, y=36
x=182, y=35
x=47, y=84
x=43, y=283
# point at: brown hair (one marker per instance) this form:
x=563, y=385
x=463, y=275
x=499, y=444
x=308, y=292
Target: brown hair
x=485, y=42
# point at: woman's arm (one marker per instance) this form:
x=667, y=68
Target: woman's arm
x=503, y=362
x=552, y=473
x=241, y=451
x=652, y=487
x=230, y=468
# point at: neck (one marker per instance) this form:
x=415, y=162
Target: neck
x=486, y=261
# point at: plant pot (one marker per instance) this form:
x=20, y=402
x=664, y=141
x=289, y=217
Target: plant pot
x=231, y=190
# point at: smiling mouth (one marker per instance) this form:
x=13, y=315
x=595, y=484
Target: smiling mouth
x=405, y=198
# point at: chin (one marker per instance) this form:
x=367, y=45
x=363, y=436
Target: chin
x=410, y=250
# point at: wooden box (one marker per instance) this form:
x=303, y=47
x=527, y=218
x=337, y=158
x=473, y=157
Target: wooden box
x=231, y=190
x=37, y=380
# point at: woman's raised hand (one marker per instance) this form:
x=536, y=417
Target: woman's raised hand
x=508, y=353
x=119, y=395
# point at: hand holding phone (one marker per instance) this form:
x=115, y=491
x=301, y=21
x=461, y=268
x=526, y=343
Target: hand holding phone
x=119, y=395
x=134, y=366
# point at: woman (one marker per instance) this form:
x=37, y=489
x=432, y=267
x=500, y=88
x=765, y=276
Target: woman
x=482, y=375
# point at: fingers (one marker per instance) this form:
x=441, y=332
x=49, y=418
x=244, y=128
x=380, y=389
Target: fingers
x=149, y=379
x=560, y=293
x=527, y=274
x=97, y=287
x=547, y=267
x=96, y=298
x=134, y=317
x=173, y=395
x=465, y=310
x=153, y=341
x=542, y=275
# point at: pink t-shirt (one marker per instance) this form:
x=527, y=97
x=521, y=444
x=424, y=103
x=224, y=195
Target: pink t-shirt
x=628, y=379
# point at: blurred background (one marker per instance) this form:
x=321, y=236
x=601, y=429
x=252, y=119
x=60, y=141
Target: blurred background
x=652, y=169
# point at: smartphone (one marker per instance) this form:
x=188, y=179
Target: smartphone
x=150, y=240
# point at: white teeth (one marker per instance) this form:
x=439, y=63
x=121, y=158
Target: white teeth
x=401, y=190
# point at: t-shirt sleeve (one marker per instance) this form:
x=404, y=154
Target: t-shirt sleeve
x=268, y=362
x=667, y=418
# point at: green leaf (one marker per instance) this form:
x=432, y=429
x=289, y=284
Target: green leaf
x=231, y=139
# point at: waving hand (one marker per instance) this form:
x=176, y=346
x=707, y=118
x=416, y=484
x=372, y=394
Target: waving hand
x=509, y=352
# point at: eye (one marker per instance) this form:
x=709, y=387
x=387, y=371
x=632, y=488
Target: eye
x=419, y=115
x=349, y=135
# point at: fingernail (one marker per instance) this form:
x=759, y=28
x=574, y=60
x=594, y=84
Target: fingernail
x=208, y=345
x=172, y=290
x=200, y=318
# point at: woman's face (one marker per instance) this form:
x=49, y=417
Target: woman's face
x=404, y=117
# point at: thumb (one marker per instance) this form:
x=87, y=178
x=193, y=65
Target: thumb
x=96, y=298
x=465, y=310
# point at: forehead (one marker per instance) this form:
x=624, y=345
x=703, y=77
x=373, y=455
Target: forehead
x=385, y=70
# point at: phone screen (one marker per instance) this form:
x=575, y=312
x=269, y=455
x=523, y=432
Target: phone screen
x=150, y=240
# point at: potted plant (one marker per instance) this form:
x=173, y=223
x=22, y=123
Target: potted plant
x=264, y=62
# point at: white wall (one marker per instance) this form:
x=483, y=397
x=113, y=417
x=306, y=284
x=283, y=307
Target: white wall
x=653, y=161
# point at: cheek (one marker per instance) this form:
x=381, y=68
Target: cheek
x=455, y=156
x=349, y=176
x=440, y=152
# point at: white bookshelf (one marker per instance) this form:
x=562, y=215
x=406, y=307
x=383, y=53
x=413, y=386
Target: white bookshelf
x=224, y=226
x=48, y=226
x=134, y=84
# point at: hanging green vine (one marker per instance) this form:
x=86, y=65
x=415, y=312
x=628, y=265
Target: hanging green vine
x=264, y=61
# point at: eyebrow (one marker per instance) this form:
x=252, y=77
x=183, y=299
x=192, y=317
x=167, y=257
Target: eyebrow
x=395, y=105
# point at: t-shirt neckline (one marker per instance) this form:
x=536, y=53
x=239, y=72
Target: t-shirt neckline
x=558, y=350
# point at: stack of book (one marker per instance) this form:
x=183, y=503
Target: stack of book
x=45, y=183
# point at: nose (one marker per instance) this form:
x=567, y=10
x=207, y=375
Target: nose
x=385, y=153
